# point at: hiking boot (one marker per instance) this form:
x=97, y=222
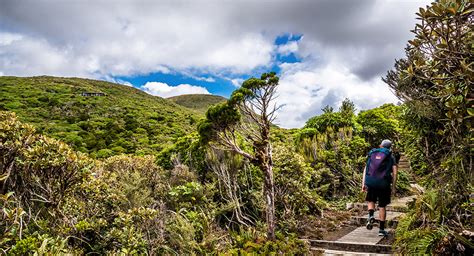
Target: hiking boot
x=383, y=233
x=370, y=222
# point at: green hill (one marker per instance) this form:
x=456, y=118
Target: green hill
x=198, y=102
x=96, y=117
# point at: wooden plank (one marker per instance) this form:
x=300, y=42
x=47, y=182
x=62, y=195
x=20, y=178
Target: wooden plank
x=390, y=216
x=397, y=205
x=362, y=235
x=348, y=253
x=350, y=246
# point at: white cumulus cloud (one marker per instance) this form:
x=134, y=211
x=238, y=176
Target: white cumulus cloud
x=237, y=82
x=346, y=46
x=164, y=90
x=305, y=89
x=288, y=48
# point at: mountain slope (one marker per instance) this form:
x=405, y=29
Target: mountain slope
x=198, y=102
x=123, y=120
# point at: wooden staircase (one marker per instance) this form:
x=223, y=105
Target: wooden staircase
x=362, y=241
x=404, y=163
x=366, y=242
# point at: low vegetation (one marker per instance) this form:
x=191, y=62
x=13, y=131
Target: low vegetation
x=125, y=120
x=129, y=173
x=198, y=102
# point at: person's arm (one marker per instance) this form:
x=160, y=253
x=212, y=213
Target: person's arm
x=364, y=188
x=394, y=183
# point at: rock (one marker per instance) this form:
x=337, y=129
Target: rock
x=467, y=233
x=349, y=206
x=417, y=188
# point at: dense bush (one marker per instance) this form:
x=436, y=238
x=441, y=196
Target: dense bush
x=57, y=201
x=435, y=81
x=379, y=124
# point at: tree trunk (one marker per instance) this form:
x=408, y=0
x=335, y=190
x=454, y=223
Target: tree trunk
x=270, y=200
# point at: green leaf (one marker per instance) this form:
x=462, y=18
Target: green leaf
x=470, y=111
x=468, y=11
x=4, y=176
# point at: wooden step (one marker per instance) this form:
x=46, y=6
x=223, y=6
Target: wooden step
x=359, y=240
x=348, y=253
x=397, y=205
x=390, y=208
x=391, y=219
x=350, y=247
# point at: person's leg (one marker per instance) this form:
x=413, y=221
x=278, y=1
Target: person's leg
x=384, y=200
x=371, y=199
x=382, y=217
x=371, y=206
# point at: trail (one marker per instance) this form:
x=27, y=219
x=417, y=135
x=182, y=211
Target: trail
x=367, y=242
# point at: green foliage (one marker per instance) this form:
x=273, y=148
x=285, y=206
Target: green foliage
x=187, y=150
x=347, y=109
x=198, y=102
x=435, y=81
x=126, y=120
x=294, y=178
x=218, y=118
x=338, y=156
x=420, y=232
x=246, y=119
x=226, y=116
x=116, y=206
x=403, y=182
x=379, y=124
x=40, y=245
x=187, y=195
x=334, y=120
x=251, y=242
x=336, y=145
x=138, y=179
x=40, y=171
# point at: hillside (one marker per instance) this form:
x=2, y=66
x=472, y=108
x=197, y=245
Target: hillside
x=199, y=102
x=96, y=117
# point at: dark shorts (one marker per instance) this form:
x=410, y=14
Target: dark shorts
x=379, y=195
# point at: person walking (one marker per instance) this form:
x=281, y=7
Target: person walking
x=379, y=181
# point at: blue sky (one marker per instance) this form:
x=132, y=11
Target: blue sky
x=217, y=85
x=323, y=51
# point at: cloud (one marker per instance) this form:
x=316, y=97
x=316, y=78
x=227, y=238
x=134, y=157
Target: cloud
x=131, y=38
x=8, y=38
x=304, y=90
x=346, y=46
x=237, y=82
x=125, y=38
x=288, y=48
x=117, y=81
x=164, y=90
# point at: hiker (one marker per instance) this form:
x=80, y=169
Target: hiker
x=379, y=173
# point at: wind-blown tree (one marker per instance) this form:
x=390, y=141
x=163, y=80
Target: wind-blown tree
x=245, y=119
